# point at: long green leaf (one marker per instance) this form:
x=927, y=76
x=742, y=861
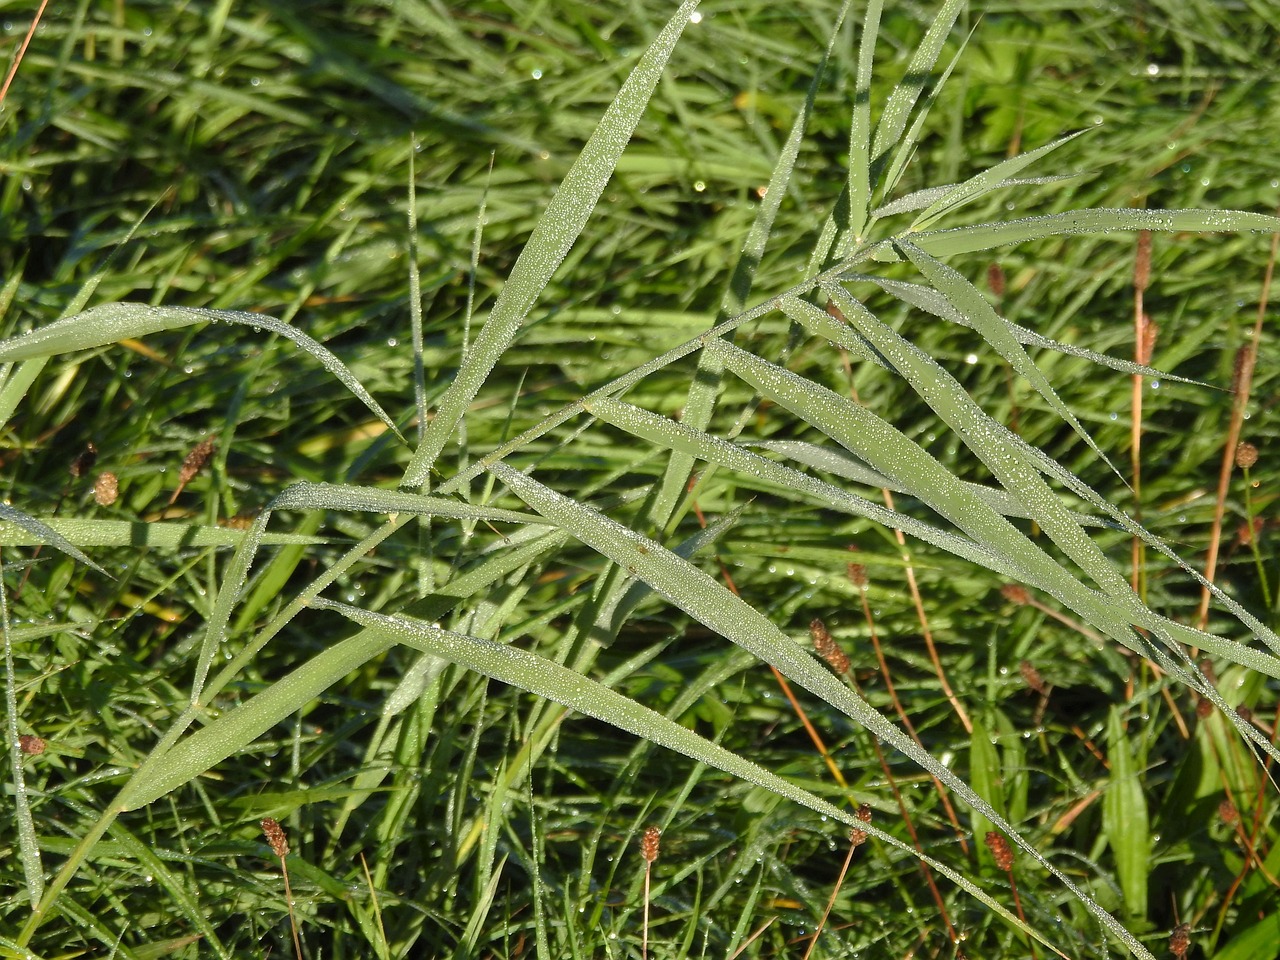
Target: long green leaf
x=984, y=236
x=562, y=685
x=113, y=322
x=557, y=230
x=693, y=591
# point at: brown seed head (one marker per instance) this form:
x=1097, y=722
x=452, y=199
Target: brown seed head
x=1246, y=455
x=105, y=489
x=858, y=575
x=1180, y=941
x=1228, y=812
x=1207, y=671
x=1249, y=530
x=1032, y=677
x=836, y=312
x=195, y=460
x=1243, y=374
x=826, y=646
x=996, y=279
x=84, y=461
x=31, y=745
x=1142, y=262
x=274, y=833
x=1015, y=593
x=1148, y=345
x=1204, y=707
x=1244, y=713
x=649, y=844
x=1000, y=851
x=856, y=836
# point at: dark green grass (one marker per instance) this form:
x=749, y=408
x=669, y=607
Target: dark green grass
x=274, y=142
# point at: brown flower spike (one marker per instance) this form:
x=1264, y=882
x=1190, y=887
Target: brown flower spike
x=274, y=833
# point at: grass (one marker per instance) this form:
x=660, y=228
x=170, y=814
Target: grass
x=276, y=633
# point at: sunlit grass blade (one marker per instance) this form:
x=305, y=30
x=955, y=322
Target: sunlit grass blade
x=348, y=497
x=713, y=605
x=158, y=534
x=897, y=110
x=906, y=148
x=984, y=236
x=970, y=302
x=113, y=322
x=562, y=685
x=919, y=199
x=983, y=183
x=557, y=230
x=28, y=836
x=40, y=532
x=858, y=189
x=931, y=301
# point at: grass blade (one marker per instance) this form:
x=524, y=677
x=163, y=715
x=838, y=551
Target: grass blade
x=693, y=591
x=113, y=322
x=557, y=230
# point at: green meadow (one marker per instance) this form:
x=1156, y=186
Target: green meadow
x=567, y=480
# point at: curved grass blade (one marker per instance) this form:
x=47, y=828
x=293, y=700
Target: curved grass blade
x=560, y=684
x=986, y=181
x=557, y=230
x=42, y=533
x=158, y=534
x=910, y=202
x=113, y=322
x=984, y=236
x=892, y=453
x=969, y=301
x=931, y=301
x=695, y=592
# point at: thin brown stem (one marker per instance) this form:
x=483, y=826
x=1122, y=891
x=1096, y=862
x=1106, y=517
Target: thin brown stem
x=924, y=624
x=1245, y=361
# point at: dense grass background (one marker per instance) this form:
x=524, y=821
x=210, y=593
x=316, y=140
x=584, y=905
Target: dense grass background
x=258, y=157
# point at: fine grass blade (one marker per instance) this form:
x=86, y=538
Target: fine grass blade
x=713, y=605
x=41, y=533
x=956, y=240
x=984, y=182
x=931, y=301
x=113, y=322
x=557, y=230
x=897, y=110
x=562, y=685
x=969, y=301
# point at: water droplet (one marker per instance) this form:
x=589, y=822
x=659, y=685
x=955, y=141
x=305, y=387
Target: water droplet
x=699, y=186
x=1155, y=384
x=695, y=17
x=1115, y=416
x=537, y=73
x=392, y=342
x=1153, y=69
x=971, y=358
